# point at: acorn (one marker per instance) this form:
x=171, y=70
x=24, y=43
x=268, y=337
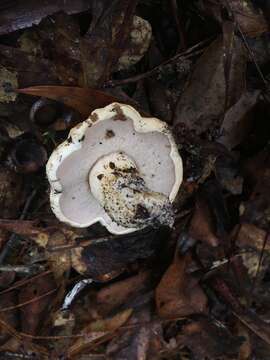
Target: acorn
x=26, y=154
x=52, y=114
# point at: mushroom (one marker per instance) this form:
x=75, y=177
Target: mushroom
x=116, y=168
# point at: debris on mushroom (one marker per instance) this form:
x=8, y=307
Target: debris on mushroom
x=116, y=168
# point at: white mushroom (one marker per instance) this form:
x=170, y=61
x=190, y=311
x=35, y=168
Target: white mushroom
x=116, y=168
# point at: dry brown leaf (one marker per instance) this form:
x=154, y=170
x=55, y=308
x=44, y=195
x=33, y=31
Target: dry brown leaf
x=59, y=261
x=202, y=224
x=179, y=294
x=11, y=187
x=135, y=342
x=29, y=70
x=106, y=41
x=251, y=236
x=27, y=228
x=250, y=20
x=245, y=350
x=8, y=299
x=209, y=340
x=37, y=295
x=256, y=324
x=201, y=106
x=20, y=14
x=56, y=38
x=116, y=294
x=84, y=100
x=256, y=209
x=96, y=331
x=236, y=123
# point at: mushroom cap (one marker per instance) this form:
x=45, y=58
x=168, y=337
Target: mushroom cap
x=115, y=128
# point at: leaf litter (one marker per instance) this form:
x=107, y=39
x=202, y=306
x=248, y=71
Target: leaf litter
x=197, y=291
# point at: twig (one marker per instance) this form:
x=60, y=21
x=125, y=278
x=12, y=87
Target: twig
x=80, y=242
x=24, y=269
x=28, y=302
x=185, y=55
x=25, y=281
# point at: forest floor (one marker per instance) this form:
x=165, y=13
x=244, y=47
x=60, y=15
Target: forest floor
x=199, y=290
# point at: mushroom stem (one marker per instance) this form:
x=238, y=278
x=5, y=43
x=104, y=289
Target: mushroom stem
x=116, y=183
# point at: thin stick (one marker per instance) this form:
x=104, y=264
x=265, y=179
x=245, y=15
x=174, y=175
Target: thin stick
x=185, y=55
x=28, y=302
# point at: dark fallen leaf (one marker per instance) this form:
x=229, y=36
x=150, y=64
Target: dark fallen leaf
x=11, y=187
x=56, y=38
x=236, y=123
x=212, y=192
x=157, y=91
x=21, y=14
x=38, y=296
x=254, y=167
x=6, y=279
x=251, y=236
x=209, y=340
x=119, y=293
x=245, y=350
x=202, y=226
x=178, y=293
x=96, y=331
x=106, y=41
x=26, y=228
x=250, y=19
x=29, y=70
x=116, y=253
x=224, y=165
x=252, y=321
x=228, y=28
x=9, y=299
x=59, y=262
x=134, y=343
x=257, y=209
x=201, y=106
